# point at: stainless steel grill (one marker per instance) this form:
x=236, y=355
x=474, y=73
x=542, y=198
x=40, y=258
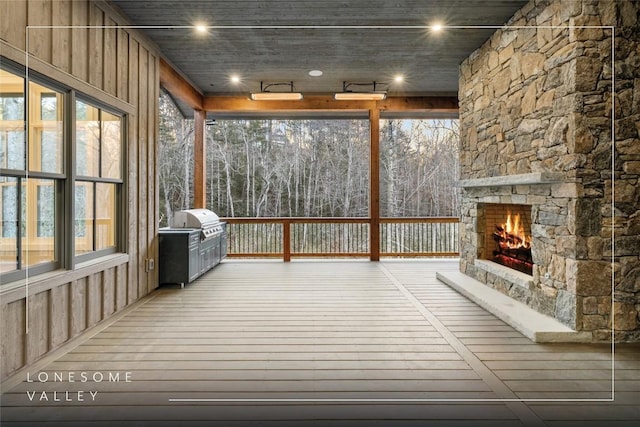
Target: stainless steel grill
x=204, y=219
x=195, y=243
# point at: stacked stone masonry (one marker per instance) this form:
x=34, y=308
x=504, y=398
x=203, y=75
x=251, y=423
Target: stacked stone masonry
x=540, y=99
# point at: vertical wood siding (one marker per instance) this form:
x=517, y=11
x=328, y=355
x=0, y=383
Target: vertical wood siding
x=116, y=62
x=13, y=337
x=80, y=40
x=134, y=60
x=60, y=314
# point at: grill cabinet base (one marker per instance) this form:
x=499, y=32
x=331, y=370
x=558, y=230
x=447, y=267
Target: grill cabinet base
x=184, y=257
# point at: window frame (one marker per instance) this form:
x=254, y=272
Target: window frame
x=120, y=183
x=27, y=180
x=63, y=183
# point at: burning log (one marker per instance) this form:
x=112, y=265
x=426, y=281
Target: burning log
x=516, y=264
x=514, y=246
x=508, y=240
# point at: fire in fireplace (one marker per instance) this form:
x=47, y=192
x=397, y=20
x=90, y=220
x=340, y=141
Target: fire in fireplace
x=513, y=244
x=508, y=236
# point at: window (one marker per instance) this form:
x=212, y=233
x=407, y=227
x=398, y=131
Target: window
x=13, y=201
x=46, y=208
x=35, y=148
x=46, y=136
x=99, y=178
x=12, y=118
x=32, y=175
x=11, y=148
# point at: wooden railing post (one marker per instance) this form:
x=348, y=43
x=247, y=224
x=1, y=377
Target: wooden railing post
x=374, y=185
x=286, y=240
x=199, y=163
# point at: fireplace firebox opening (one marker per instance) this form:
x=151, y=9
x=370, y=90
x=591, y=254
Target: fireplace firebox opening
x=508, y=236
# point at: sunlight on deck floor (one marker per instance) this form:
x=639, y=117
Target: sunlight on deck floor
x=317, y=343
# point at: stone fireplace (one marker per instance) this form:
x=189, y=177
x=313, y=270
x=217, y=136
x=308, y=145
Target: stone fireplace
x=536, y=138
x=544, y=205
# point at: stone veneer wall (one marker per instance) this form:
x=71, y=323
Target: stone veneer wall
x=539, y=100
x=626, y=218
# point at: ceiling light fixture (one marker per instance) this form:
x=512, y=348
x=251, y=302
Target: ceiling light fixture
x=235, y=79
x=266, y=95
x=201, y=28
x=399, y=78
x=436, y=27
x=315, y=73
x=348, y=94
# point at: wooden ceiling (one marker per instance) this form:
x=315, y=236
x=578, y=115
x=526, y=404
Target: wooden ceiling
x=354, y=41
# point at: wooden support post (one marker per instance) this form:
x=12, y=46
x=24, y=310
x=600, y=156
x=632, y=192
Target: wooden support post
x=199, y=162
x=286, y=240
x=374, y=184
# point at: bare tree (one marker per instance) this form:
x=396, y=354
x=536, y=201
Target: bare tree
x=175, y=159
x=312, y=168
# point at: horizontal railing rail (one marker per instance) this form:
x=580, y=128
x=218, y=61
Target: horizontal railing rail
x=272, y=237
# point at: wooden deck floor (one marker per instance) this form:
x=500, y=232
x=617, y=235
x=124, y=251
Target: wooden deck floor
x=324, y=343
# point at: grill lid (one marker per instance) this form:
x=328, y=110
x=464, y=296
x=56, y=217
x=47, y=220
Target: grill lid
x=204, y=219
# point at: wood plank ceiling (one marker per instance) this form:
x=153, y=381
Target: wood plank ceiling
x=341, y=38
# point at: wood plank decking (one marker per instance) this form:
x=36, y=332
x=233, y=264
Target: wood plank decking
x=324, y=343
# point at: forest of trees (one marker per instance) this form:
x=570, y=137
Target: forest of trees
x=310, y=168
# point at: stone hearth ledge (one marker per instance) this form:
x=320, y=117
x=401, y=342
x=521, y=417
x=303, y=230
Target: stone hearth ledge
x=509, y=274
x=534, y=178
x=535, y=326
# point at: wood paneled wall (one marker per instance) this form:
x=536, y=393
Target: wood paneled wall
x=119, y=67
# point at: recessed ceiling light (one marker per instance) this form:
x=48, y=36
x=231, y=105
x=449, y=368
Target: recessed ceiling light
x=235, y=79
x=315, y=73
x=436, y=27
x=399, y=78
x=201, y=28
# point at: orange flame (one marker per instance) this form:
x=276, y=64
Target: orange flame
x=514, y=236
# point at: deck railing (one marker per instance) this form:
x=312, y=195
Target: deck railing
x=418, y=237
x=340, y=237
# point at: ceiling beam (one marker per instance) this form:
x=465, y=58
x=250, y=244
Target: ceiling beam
x=320, y=103
x=309, y=103
x=420, y=104
x=178, y=86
